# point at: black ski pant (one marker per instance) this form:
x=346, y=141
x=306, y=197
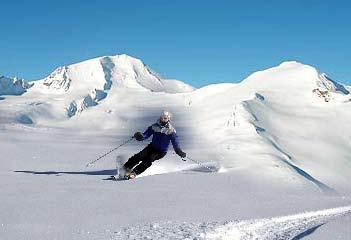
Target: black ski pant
x=144, y=159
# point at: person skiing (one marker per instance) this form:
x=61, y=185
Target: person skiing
x=163, y=133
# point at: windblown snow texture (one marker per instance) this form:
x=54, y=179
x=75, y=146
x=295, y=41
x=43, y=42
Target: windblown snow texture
x=292, y=227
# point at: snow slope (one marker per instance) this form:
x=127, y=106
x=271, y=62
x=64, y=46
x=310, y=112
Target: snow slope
x=288, y=227
x=275, y=116
x=278, y=143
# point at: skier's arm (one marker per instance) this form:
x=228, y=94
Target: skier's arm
x=142, y=136
x=174, y=140
x=148, y=133
x=175, y=143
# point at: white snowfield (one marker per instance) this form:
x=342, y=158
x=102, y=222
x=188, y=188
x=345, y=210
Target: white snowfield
x=278, y=144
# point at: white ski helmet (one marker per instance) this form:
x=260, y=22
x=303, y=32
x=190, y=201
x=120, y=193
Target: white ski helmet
x=166, y=114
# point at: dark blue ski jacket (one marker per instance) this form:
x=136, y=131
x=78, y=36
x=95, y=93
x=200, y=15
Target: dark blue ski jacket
x=162, y=136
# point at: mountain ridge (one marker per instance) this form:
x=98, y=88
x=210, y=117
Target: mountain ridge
x=83, y=85
x=126, y=71
x=120, y=70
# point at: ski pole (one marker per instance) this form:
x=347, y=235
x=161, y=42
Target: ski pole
x=124, y=143
x=201, y=164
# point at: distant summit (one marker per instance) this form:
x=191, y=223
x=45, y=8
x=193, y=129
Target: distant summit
x=292, y=75
x=13, y=86
x=87, y=83
x=107, y=72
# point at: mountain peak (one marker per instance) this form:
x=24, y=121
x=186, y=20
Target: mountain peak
x=293, y=75
x=103, y=72
x=289, y=64
x=86, y=83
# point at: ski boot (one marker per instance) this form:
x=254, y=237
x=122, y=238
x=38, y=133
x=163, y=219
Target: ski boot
x=130, y=175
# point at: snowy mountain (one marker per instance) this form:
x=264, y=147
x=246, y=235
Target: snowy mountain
x=278, y=117
x=104, y=72
x=86, y=83
x=294, y=76
x=278, y=144
x=13, y=86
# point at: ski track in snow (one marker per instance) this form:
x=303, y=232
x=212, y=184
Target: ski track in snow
x=292, y=227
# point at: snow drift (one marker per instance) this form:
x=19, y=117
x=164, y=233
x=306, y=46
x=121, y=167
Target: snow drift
x=287, y=227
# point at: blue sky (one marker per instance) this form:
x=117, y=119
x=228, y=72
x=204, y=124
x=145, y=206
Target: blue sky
x=198, y=42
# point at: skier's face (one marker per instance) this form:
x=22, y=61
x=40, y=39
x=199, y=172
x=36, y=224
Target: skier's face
x=164, y=120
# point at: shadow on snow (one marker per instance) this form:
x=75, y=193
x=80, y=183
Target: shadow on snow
x=307, y=232
x=107, y=172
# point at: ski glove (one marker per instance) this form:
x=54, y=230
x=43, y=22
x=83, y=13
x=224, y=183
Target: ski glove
x=180, y=153
x=139, y=136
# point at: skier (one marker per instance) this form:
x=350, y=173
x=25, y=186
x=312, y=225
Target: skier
x=163, y=133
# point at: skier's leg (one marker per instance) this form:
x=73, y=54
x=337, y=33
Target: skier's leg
x=147, y=162
x=135, y=159
x=142, y=167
